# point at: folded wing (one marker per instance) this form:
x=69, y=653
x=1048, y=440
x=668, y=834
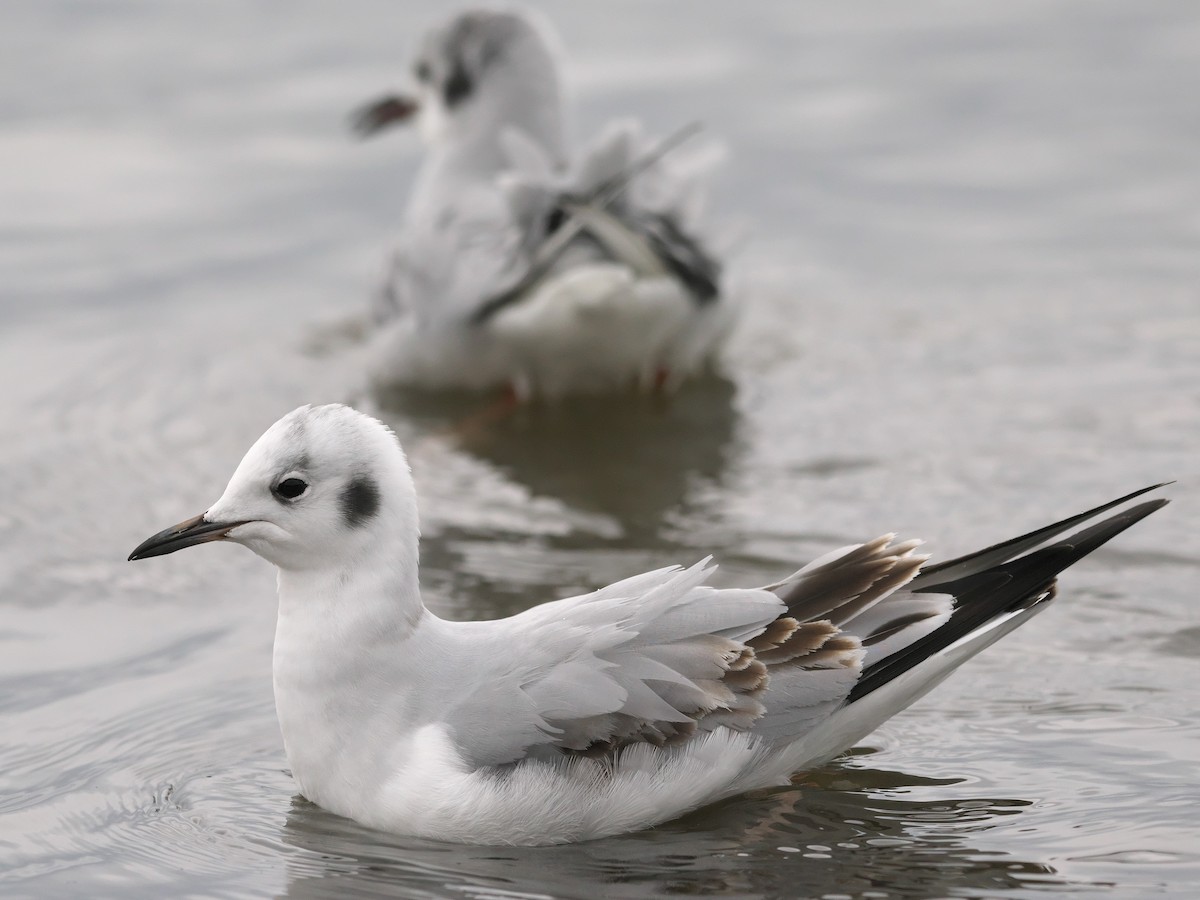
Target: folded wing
x=661, y=657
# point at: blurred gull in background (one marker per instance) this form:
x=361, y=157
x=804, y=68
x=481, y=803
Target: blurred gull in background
x=525, y=266
x=598, y=714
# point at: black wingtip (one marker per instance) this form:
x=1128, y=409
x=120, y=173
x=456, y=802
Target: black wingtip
x=1003, y=579
x=1010, y=549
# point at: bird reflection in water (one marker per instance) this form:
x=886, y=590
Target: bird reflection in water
x=843, y=829
x=634, y=459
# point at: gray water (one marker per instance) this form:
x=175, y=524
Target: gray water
x=972, y=307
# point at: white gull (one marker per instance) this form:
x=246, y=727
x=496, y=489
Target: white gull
x=484, y=289
x=595, y=715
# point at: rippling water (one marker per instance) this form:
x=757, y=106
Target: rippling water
x=971, y=273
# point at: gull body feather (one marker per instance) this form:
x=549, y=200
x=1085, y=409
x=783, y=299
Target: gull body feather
x=597, y=714
x=636, y=297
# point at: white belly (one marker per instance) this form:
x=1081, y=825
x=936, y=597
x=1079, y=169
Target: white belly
x=534, y=802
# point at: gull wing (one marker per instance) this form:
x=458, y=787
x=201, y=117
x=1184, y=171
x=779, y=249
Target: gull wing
x=653, y=659
x=660, y=657
x=624, y=201
x=447, y=259
x=998, y=583
x=844, y=643
x=648, y=659
x=910, y=619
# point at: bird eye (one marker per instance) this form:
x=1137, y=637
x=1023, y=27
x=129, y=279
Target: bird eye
x=423, y=71
x=290, y=488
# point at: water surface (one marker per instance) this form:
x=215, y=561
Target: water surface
x=970, y=267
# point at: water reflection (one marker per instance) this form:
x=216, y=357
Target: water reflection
x=633, y=460
x=843, y=830
x=947, y=275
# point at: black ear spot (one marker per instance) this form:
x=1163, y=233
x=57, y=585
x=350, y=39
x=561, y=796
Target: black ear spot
x=360, y=500
x=458, y=85
x=555, y=219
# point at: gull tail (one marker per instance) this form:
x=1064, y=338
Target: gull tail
x=991, y=592
x=993, y=585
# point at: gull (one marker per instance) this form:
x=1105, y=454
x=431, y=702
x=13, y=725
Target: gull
x=594, y=715
x=521, y=265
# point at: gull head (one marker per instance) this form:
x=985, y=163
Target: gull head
x=482, y=70
x=323, y=487
x=481, y=65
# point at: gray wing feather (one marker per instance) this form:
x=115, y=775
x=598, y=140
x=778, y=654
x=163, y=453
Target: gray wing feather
x=644, y=660
x=660, y=656
x=840, y=605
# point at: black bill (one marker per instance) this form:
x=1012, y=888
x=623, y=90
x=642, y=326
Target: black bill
x=194, y=531
x=373, y=118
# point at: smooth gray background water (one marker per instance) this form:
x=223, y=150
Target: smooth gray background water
x=972, y=306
